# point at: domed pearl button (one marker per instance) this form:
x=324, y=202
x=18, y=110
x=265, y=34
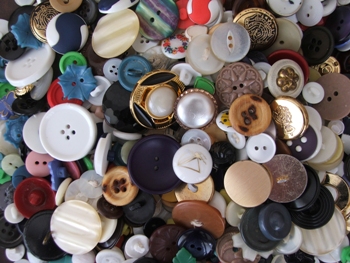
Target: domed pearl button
x=161, y=101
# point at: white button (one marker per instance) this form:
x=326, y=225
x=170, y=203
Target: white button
x=261, y=148
x=343, y=2
x=3, y=27
x=329, y=6
x=313, y=92
x=314, y=118
x=137, y=246
x=192, y=163
x=175, y=46
x=108, y=228
x=236, y=139
x=292, y=242
x=15, y=254
x=293, y=18
x=127, y=136
x=84, y=258
x=68, y=126
x=334, y=256
x=96, y=96
x=346, y=142
x=196, y=136
x=11, y=162
x=284, y=8
x=337, y=126
x=74, y=192
x=31, y=133
x=61, y=191
x=12, y=215
x=218, y=201
x=223, y=121
x=30, y=67
x=195, y=30
x=114, y=255
x=310, y=13
x=141, y=44
x=101, y=153
x=186, y=73
x=24, y=2
x=110, y=69
x=92, y=187
x=234, y=213
x=160, y=102
x=42, y=86
x=263, y=69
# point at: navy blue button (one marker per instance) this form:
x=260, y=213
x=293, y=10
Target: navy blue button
x=88, y=11
x=339, y=24
x=19, y=175
x=58, y=174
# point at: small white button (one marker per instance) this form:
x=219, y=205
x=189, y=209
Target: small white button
x=218, y=201
x=24, y=2
x=12, y=215
x=74, y=192
x=337, y=126
x=137, y=246
x=15, y=254
x=11, y=162
x=310, y=13
x=108, y=228
x=234, y=213
x=261, y=148
x=292, y=242
x=84, y=258
x=313, y=92
x=236, y=139
x=223, y=121
x=92, y=187
x=114, y=255
x=96, y=96
x=141, y=44
x=186, y=73
x=284, y=8
x=101, y=153
x=31, y=133
x=196, y=136
x=110, y=69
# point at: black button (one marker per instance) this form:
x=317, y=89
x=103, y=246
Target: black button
x=223, y=153
x=299, y=257
x=26, y=9
x=9, y=49
x=25, y=105
x=146, y=260
x=151, y=225
x=257, y=56
x=10, y=237
x=317, y=45
x=108, y=210
x=88, y=11
x=339, y=24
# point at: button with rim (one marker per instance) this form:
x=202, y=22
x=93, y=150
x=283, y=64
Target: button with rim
x=184, y=20
x=328, y=7
x=234, y=213
x=12, y=214
x=186, y=73
x=196, y=136
x=142, y=44
x=284, y=8
x=102, y=151
x=37, y=164
x=61, y=191
x=195, y=30
x=310, y=13
x=338, y=24
x=42, y=85
x=88, y=11
x=175, y=46
x=15, y=254
x=9, y=49
x=204, y=13
x=11, y=162
x=72, y=57
x=96, y=96
x=218, y=201
x=263, y=68
x=292, y=243
x=236, y=139
x=108, y=210
x=55, y=95
x=110, y=69
x=64, y=6
x=137, y=246
x=108, y=227
x=19, y=175
x=203, y=191
x=260, y=148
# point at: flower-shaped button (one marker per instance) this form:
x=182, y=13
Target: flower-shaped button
x=23, y=34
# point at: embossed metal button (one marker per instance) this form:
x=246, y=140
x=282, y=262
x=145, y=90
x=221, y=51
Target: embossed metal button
x=250, y=115
x=261, y=26
x=290, y=117
x=331, y=65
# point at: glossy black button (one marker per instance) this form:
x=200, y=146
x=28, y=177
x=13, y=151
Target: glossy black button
x=108, y=210
x=257, y=56
x=318, y=214
x=10, y=237
x=140, y=210
x=200, y=243
x=223, y=153
x=274, y=221
x=251, y=233
x=9, y=49
x=25, y=105
x=37, y=239
x=218, y=175
x=113, y=240
x=88, y=11
x=339, y=24
x=146, y=260
x=317, y=45
x=4, y=199
x=299, y=257
x=151, y=225
x=26, y=9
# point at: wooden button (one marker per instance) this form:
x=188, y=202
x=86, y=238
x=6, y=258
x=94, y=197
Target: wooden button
x=199, y=214
x=117, y=187
x=203, y=191
x=247, y=183
x=250, y=115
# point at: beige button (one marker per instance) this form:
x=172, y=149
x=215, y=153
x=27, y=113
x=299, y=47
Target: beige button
x=65, y=6
x=247, y=183
x=202, y=191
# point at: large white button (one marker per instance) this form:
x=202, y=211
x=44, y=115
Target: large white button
x=160, y=102
x=329, y=6
x=96, y=96
x=313, y=92
x=31, y=133
x=292, y=242
x=261, y=148
x=108, y=228
x=12, y=215
x=196, y=136
x=67, y=132
x=114, y=255
x=137, y=246
x=192, y=163
x=11, y=162
x=310, y=13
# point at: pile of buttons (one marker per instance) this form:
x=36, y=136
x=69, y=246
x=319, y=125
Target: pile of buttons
x=179, y=131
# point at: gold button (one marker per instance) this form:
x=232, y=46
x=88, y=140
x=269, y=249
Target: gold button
x=261, y=26
x=65, y=6
x=290, y=117
x=331, y=65
x=203, y=191
x=39, y=19
x=341, y=187
x=24, y=90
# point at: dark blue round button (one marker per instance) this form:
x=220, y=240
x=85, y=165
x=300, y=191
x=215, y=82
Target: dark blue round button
x=19, y=175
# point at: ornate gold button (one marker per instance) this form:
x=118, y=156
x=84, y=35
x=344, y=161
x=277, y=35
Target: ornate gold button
x=24, y=90
x=290, y=117
x=261, y=26
x=331, y=65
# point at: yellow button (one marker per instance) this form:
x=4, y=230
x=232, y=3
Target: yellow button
x=65, y=6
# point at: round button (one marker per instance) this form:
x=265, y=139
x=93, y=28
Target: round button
x=88, y=11
x=142, y=44
x=313, y=92
x=310, y=13
x=31, y=133
x=11, y=162
x=55, y=95
x=15, y=254
x=64, y=6
x=250, y=115
x=61, y=191
x=223, y=121
x=37, y=164
x=284, y=8
x=9, y=48
x=70, y=58
x=108, y=227
x=114, y=6
x=247, y=183
x=96, y=96
x=175, y=46
x=137, y=246
x=291, y=244
x=203, y=191
x=110, y=255
x=196, y=136
x=110, y=69
x=12, y=214
x=67, y=126
x=108, y=210
x=117, y=187
x=260, y=148
x=338, y=24
x=223, y=154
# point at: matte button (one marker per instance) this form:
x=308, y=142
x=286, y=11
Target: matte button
x=108, y=210
x=196, y=136
x=61, y=191
x=15, y=254
x=9, y=49
x=293, y=243
x=223, y=154
x=108, y=227
x=110, y=69
x=12, y=214
x=284, y=8
x=19, y=175
x=37, y=164
x=137, y=246
x=108, y=255
x=88, y=11
x=310, y=13
x=338, y=24
x=10, y=163
x=175, y=46
x=71, y=57
x=152, y=225
x=203, y=191
x=313, y=92
x=184, y=20
x=260, y=148
x=186, y=74
x=65, y=7
x=21, y=10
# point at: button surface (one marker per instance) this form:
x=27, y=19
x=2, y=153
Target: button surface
x=55, y=95
x=261, y=148
x=313, y=92
x=137, y=246
x=196, y=136
x=284, y=8
x=203, y=191
x=88, y=11
x=247, y=183
x=37, y=164
x=63, y=6
x=110, y=255
x=113, y=6
x=10, y=163
x=9, y=48
x=110, y=69
x=175, y=46
x=338, y=23
x=310, y=13
x=108, y=210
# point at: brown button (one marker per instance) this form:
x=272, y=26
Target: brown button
x=247, y=183
x=203, y=191
x=117, y=187
x=282, y=147
x=290, y=117
x=199, y=214
x=250, y=115
x=336, y=102
x=236, y=79
x=289, y=178
x=65, y=6
x=163, y=242
x=39, y=19
x=262, y=34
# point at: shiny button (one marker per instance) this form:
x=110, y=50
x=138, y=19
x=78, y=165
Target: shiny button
x=196, y=136
x=175, y=46
x=186, y=73
x=107, y=6
x=114, y=255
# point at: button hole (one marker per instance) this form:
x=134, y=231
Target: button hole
x=335, y=93
x=338, y=28
x=62, y=132
x=68, y=138
x=317, y=49
x=234, y=88
x=81, y=80
x=151, y=19
x=122, y=181
x=10, y=163
x=264, y=148
x=319, y=42
x=341, y=21
x=158, y=12
x=329, y=99
x=256, y=148
x=36, y=162
x=308, y=15
x=44, y=163
x=73, y=132
x=68, y=126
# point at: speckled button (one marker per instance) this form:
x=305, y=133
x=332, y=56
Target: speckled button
x=250, y=115
x=237, y=79
x=334, y=105
x=247, y=183
x=289, y=178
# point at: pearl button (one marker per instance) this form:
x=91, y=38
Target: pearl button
x=160, y=102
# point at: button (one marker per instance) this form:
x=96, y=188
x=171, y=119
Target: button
x=292, y=243
x=195, y=102
x=203, y=191
x=251, y=19
x=117, y=187
x=63, y=6
x=219, y=202
x=42, y=85
x=247, y=183
x=114, y=6
x=224, y=247
x=290, y=117
x=61, y=191
x=137, y=246
x=250, y=115
x=157, y=59
x=196, y=136
x=311, y=13
x=14, y=128
x=237, y=79
x=6, y=103
x=204, y=13
x=142, y=44
x=223, y=121
x=33, y=64
x=184, y=20
x=313, y=92
x=336, y=183
x=328, y=7
x=88, y=11
x=19, y=175
x=77, y=132
x=84, y=258
x=71, y=57
x=285, y=78
x=260, y=148
x=108, y=210
x=331, y=65
x=37, y=164
x=92, y=184
x=334, y=104
x=284, y=8
x=108, y=227
x=300, y=256
x=15, y=254
x=15, y=14
x=131, y=70
x=110, y=69
x=314, y=118
x=338, y=24
x=163, y=242
x=234, y=213
x=101, y=155
x=10, y=237
x=194, y=30
x=140, y=210
x=110, y=255
x=12, y=214
x=157, y=164
x=186, y=73
x=152, y=225
x=11, y=162
x=65, y=219
x=55, y=95
x=96, y=96
x=192, y=214
x=263, y=68
x=9, y=48
x=317, y=45
x=39, y=19
x=175, y=46
x=223, y=154
x=337, y=126
x=110, y=41
x=200, y=56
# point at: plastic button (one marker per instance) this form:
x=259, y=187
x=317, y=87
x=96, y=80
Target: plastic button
x=137, y=246
x=186, y=73
x=108, y=210
x=310, y=13
x=196, y=136
x=313, y=92
x=175, y=46
x=19, y=175
x=10, y=163
x=60, y=193
x=37, y=164
x=65, y=7
x=203, y=191
x=15, y=254
x=12, y=214
x=261, y=148
x=110, y=69
x=9, y=49
x=142, y=44
x=55, y=95
x=96, y=96
x=108, y=227
x=338, y=23
x=114, y=6
x=71, y=57
x=204, y=13
x=110, y=255
x=284, y=8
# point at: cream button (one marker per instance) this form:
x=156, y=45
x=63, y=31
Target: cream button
x=11, y=162
x=337, y=126
x=292, y=242
x=234, y=213
x=137, y=246
x=160, y=101
x=84, y=258
x=108, y=228
x=101, y=154
x=186, y=73
x=31, y=133
x=61, y=191
x=12, y=215
x=114, y=255
x=313, y=92
x=96, y=96
x=218, y=201
x=195, y=30
x=310, y=13
x=260, y=148
x=284, y=8
x=15, y=254
x=236, y=139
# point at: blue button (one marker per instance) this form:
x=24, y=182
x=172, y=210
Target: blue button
x=19, y=175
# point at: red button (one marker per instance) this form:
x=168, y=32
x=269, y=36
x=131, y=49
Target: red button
x=55, y=95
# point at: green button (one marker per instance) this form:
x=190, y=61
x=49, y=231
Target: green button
x=204, y=84
x=5, y=88
x=183, y=256
x=4, y=177
x=88, y=163
x=70, y=58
